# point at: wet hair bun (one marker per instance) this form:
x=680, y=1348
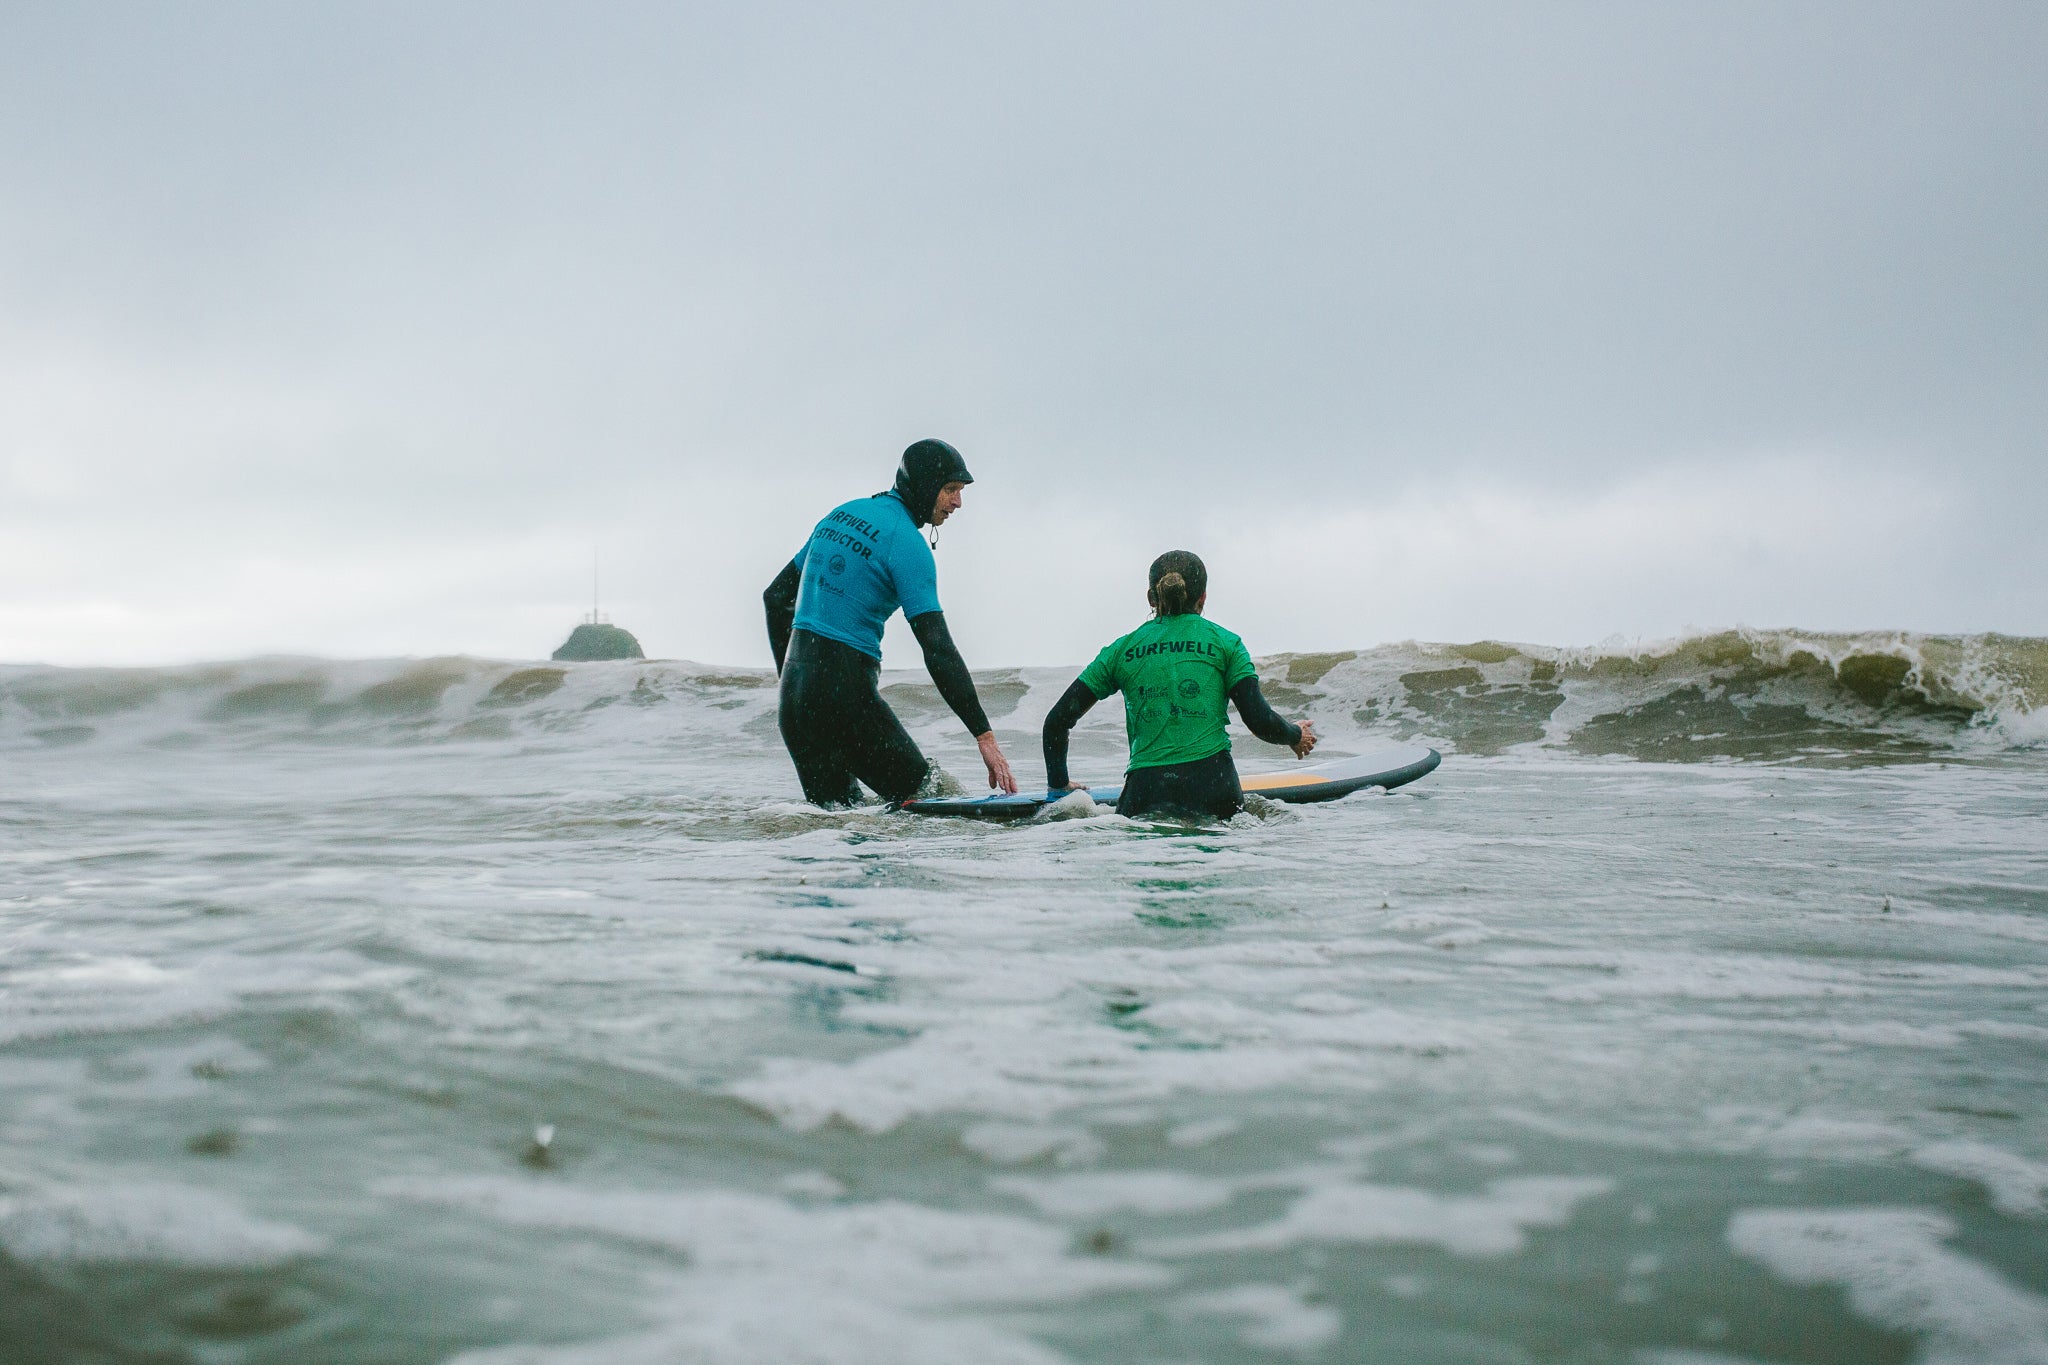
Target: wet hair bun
x=1178, y=580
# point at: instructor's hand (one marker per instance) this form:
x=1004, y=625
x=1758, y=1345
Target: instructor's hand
x=998, y=766
x=1307, y=742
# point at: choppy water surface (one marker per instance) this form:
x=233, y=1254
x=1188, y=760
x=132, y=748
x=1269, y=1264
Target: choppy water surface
x=1569, y=1052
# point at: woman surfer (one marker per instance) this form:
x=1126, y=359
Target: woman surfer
x=1175, y=672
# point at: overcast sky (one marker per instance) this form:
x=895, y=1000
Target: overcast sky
x=356, y=329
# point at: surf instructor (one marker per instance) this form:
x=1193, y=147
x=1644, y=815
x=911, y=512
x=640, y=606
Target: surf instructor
x=826, y=611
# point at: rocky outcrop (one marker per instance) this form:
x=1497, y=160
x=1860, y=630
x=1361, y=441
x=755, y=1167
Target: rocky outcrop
x=598, y=641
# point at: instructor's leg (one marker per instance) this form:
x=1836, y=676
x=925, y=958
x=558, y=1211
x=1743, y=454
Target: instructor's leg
x=811, y=731
x=819, y=766
x=882, y=754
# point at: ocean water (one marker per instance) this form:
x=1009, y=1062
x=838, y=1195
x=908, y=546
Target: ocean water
x=1694, y=1012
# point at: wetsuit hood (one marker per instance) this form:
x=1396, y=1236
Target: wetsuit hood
x=927, y=467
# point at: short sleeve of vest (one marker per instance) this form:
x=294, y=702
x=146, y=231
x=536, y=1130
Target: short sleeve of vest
x=915, y=575
x=1237, y=664
x=1099, y=677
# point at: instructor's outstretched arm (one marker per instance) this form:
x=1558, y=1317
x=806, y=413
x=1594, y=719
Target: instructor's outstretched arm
x=949, y=672
x=780, y=600
x=1065, y=714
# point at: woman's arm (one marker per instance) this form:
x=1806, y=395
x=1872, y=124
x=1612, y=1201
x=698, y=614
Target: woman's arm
x=1072, y=705
x=1260, y=719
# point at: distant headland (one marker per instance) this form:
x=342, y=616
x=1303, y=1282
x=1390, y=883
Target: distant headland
x=598, y=639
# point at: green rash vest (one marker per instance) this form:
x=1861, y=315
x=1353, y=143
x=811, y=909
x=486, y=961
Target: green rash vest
x=1176, y=673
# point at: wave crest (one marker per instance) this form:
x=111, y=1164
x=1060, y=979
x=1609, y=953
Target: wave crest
x=1735, y=694
x=1743, y=695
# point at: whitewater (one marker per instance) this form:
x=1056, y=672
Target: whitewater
x=1694, y=1012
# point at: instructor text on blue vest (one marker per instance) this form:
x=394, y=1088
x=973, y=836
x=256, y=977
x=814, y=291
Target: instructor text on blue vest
x=826, y=609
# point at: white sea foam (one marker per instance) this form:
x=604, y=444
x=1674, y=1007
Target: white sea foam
x=1013, y=1144
x=1872, y=1033
x=1693, y=976
x=842, y=1284
x=180, y=1071
x=1098, y=1193
x=1241, y=1016
x=1491, y=1224
x=1833, y=1136
x=1897, y=1273
x=1202, y=1132
x=812, y=1185
x=70, y=992
x=1029, y=1067
x=1277, y=1318
x=2018, y=1187
x=153, y=1223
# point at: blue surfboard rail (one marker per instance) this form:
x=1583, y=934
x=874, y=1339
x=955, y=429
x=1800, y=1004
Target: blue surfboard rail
x=1317, y=782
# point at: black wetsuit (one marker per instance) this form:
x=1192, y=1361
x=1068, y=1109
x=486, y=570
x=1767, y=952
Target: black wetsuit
x=833, y=719
x=1201, y=787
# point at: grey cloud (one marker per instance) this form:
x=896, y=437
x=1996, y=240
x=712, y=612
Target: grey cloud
x=519, y=265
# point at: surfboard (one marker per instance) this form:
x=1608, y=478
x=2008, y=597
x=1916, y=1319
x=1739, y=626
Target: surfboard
x=1391, y=767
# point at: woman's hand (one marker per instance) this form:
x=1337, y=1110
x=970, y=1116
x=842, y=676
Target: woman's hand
x=1303, y=746
x=998, y=766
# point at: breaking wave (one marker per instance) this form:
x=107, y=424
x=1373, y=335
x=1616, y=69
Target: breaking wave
x=1737, y=695
x=1757, y=695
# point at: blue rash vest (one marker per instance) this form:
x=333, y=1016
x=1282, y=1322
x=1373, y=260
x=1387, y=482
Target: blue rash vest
x=862, y=562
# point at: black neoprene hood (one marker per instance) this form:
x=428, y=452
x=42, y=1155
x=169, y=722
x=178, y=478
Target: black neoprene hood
x=928, y=466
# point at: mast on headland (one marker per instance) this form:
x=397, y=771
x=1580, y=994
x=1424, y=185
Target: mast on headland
x=596, y=617
x=597, y=638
